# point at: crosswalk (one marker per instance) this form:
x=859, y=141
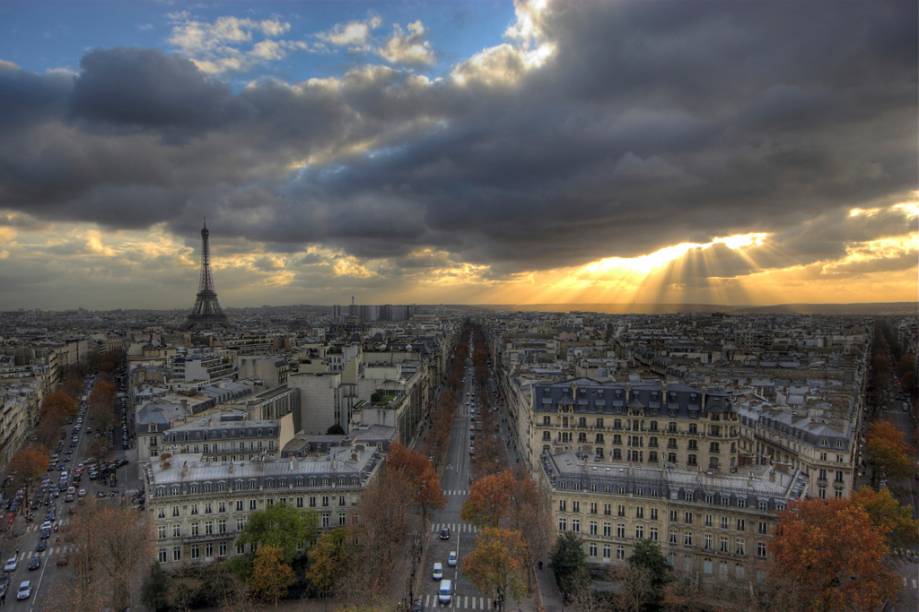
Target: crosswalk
x=460, y=602
x=459, y=492
x=455, y=527
x=51, y=551
x=35, y=526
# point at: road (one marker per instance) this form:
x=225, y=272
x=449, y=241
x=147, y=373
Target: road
x=455, y=481
x=50, y=580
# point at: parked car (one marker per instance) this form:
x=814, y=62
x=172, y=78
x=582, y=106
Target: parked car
x=34, y=563
x=10, y=565
x=451, y=558
x=444, y=534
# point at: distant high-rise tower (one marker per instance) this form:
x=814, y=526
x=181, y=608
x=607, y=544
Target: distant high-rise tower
x=207, y=311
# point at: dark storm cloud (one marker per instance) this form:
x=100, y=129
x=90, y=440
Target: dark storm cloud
x=653, y=123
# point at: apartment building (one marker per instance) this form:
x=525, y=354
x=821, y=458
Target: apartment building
x=713, y=527
x=224, y=436
x=645, y=423
x=199, y=507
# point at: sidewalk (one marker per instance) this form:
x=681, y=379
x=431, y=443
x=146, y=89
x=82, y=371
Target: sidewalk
x=548, y=591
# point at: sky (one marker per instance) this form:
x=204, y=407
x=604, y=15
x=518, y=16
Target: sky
x=483, y=151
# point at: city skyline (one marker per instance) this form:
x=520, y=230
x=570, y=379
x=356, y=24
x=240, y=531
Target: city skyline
x=473, y=153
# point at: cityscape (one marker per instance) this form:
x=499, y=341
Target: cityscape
x=517, y=305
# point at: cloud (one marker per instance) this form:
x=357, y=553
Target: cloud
x=592, y=131
x=355, y=35
x=408, y=46
x=228, y=44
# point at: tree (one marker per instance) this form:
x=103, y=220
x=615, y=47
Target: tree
x=888, y=451
x=427, y=491
x=648, y=555
x=569, y=562
x=111, y=554
x=496, y=564
x=156, y=588
x=637, y=588
x=271, y=576
x=829, y=556
x=328, y=561
x=489, y=499
x=894, y=520
x=29, y=463
x=283, y=526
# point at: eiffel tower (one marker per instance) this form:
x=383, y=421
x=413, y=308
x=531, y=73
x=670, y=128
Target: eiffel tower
x=207, y=311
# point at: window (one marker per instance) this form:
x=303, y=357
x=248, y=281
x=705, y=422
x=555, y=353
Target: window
x=222, y=526
x=161, y=555
x=607, y=551
x=740, y=546
x=194, y=528
x=687, y=538
x=724, y=545
x=653, y=534
x=562, y=523
x=687, y=518
x=607, y=509
x=177, y=553
x=312, y=501
x=652, y=456
x=161, y=532
x=222, y=549
x=761, y=550
x=240, y=523
x=639, y=532
x=592, y=549
x=593, y=507
x=691, y=460
x=673, y=538
x=674, y=516
x=640, y=512
x=693, y=428
x=838, y=476
x=195, y=553
x=175, y=511
x=252, y=504
x=209, y=528
x=620, y=551
x=708, y=520
x=741, y=524
x=547, y=421
x=221, y=506
x=620, y=510
x=208, y=508
x=653, y=514
x=617, y=454
x=575, y=506
x=562, y=505
x=599, y=439
x=761, y=528
x=671, y=427
x=576, y=525
x=177, y=530
x=693, y=445
x=299, y=502
x=671, y=457
x=600, y=423
x=325, y=501
x=607, y=530
x=707, y=541
x=620, y=530
x=161, y=513
x=653, y=426
x=593, y=528
x=671, y=443
x=546, y=436
x=326, y=520
x=209, y=550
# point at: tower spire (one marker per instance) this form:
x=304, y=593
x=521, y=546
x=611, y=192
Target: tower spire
x=207, y=311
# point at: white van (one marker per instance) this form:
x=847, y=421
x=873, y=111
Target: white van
x=445, y=592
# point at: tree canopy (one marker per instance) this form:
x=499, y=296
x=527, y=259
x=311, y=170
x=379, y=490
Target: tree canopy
x=893, y=519
x=496, y=564
x=569, y=562
x=283, y=526
x=829, y=556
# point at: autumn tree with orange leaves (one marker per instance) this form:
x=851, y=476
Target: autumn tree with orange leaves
x=497, y=564
x=427, y=491
x=827, y=555
x=489, y=499
x=29, y=463
x=888, y=451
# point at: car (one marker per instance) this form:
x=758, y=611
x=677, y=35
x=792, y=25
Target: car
x=444, y=534
x=62, y=560
x=451, y=558
x=100, y=493
x=25, y=590
x=438, y=572
x=418, y=606
x=82, y=493
x=69, y=498
x=445, y=592
x=10, y=565
x=34, y=563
